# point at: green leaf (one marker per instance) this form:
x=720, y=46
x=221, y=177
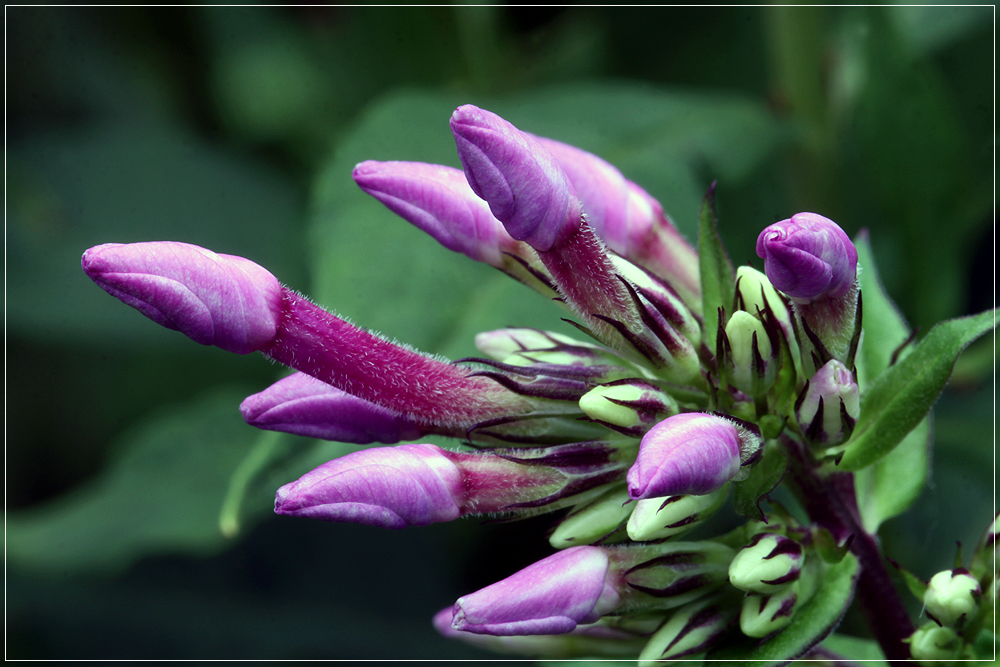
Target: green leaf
x=162, y=494
x=885, y=327
x=890, y=486
x=855, y=648
x=899, y=399
x=718, y=279
x=812, y=622
x=764, y=477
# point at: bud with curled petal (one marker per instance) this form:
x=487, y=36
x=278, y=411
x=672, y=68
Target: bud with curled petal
x=212, y=299
x=659, y=518
x=808, y=257
x=690, y=453
x=630, y=406
x=553, y=596
x=766, y=564
x=303, y=405
x=522, y=182
x=764, y=613
x=952, y=597
x=689, y=630
x=829, y=405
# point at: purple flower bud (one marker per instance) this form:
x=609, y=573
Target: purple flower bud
x=551, y=596
x=829, y=405
x=391, y=487
x=438, y=200
x=690, y=453
x=303, y=405
x=212, y=299
x=521, y=181
x=808, y=257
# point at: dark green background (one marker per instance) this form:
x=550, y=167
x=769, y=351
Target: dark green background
x=236, y=128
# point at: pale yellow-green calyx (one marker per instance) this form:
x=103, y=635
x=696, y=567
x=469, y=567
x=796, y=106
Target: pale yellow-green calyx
x=632, y=404
x=595, y=520
x=659, y=518
x=762, y=614
x=751, y=365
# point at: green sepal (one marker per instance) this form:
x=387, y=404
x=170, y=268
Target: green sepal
x=813, y=622
x=718, y=278
x=828, y=548
x=898, y=399
x=914, y=584
x=765, y=475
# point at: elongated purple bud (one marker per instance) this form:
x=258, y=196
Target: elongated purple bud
x=439, y=201
x=521, y=181
x=302, y=405
x=391, y=487
x=237, y=305
x=690, y=453
x=629, y=219
x=212, y=299
x=552, y=596
x=808, y=257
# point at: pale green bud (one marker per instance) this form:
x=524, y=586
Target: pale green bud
x=659, y=518
x=675, y=573
x=932, y=644
x=763, y=614
x=750, y=357
x=829, y=405
x=952, y=597
x=755, y=292
x=502, y=343
x=667, y=301
x=632, y=405
x=691, y=629
x=594, y=520
x=766, y=564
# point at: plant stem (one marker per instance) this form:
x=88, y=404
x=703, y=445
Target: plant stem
x=831, y=503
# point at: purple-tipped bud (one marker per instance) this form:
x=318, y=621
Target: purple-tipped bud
x=521, y=181
x=551, y=596
x=808, y=257
x=829, y=405
x=763, y=614
x=766, y=564
x=212, y=299
x=690, y=453
x=303, y=405
x=438, y=200
x=391, y=487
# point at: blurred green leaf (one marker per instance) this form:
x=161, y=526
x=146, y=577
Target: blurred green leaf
x=932, y=27
x=126, y=182
x=813, y=621
x=900, y=397
x=378, y=270
x=855, y=648
x=162, y=494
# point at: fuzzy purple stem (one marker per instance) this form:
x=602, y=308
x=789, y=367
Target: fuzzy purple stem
x=831, y=502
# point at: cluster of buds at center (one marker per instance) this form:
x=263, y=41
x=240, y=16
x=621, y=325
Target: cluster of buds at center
x=640, y=425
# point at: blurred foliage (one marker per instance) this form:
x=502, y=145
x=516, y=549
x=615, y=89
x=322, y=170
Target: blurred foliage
x=236, y=128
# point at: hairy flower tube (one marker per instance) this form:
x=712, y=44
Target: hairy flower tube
x=671, y=397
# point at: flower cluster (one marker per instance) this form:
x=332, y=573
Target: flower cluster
x=640, y=427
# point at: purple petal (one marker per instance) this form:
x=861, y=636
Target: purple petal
x=520, y=180
x=690, y=453
x=808, y=257
x=303, y=405
x=438, y=200
x=213, y=299
x=391, y=487
x=551, y=596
